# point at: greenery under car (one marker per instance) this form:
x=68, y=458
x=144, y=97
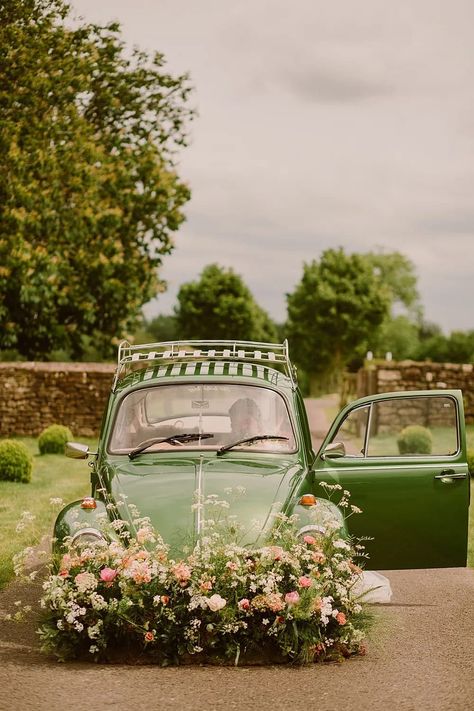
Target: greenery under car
x=189, y=420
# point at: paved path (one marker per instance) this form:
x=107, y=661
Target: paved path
x=421, y=659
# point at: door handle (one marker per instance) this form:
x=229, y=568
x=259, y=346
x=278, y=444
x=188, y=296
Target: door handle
x=450, y=474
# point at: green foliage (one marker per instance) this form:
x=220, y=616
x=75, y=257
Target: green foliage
x=53, y=438
x=89, y=195
x=219, y=306
x=398, y=275
x=162, y=328
x=399, y=335
x=458, y=347
x=334, y=312
x=415, y=439
x=15, y=461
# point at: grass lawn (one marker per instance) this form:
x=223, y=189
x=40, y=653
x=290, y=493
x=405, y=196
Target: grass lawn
x=53, y=476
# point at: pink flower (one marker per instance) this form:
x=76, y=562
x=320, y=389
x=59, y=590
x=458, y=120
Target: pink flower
x=206, y=585
x=309, y=540
x=341, y=618
x=165, y=599
x=231, y=565
x=149, y=636
x=140, y=572
x=305, y=582
x=292, y=598
x=107, y=575
x=243, y=604
x=182, y=572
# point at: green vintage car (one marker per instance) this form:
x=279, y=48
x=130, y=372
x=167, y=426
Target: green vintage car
x=185, y=421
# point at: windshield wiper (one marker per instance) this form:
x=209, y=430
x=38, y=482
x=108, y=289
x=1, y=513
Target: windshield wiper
x=247, y=440
x=173, y=439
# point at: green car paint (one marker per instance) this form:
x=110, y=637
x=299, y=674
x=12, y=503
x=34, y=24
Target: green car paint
x=415, y=519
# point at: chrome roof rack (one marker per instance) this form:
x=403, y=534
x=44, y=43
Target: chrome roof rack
x=270, y=354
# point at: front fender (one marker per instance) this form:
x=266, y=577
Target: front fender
x=72, y=518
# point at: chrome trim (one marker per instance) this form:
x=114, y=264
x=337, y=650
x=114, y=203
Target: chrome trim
x=311, y=527
x=452, y=475
x=385, y=464
x=198, y=519
x=89, y=532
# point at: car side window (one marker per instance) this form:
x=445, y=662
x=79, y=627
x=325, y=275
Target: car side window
x=413, y=426
x=352, y=431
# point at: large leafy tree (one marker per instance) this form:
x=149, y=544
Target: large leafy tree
x=334, y=312
x=220, y=306
x=89, y=195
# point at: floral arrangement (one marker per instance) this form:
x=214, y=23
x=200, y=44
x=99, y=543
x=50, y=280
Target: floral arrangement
x=293, y=599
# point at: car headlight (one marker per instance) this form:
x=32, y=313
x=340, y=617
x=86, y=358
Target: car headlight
x=88, y=536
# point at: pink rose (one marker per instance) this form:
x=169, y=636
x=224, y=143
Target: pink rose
x=341, y=618
x=305, y=582
x=149, y=636
x=292, y=598
x=309, y=540
x=243, y=604
x=107, y=575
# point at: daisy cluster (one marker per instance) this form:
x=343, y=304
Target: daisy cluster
x=293, y=599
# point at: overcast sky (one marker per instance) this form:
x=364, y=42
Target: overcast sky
x=320, y=125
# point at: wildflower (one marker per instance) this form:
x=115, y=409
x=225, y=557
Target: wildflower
x=85, y=582
x=230, y=565
x=243, y=604
x=341, y=618
x=145, y=535
x=149, y=636
x=292, y=598
x=305, y=582
x=56, y=501
x=309, y=540
x=216, y=602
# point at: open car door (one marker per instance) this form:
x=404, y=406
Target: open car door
x=402, y=456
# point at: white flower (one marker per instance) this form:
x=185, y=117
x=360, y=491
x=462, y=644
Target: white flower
x=216, y=602
x=341, y=544
x=56, y=501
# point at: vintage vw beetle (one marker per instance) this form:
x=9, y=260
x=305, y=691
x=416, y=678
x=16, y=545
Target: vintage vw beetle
x=194, y=419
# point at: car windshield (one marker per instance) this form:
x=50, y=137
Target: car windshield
x=227, y=412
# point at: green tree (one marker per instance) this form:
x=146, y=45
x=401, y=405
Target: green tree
x=89, y=195
x=398, y=274
x=334, y=313
x=398, y=335
x=219, y=306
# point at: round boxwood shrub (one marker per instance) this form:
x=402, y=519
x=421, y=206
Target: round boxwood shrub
x=15, y=461
x=415, y=439
x=53, y=439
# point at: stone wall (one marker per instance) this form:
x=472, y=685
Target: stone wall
x=410, y=375
x=35, y=395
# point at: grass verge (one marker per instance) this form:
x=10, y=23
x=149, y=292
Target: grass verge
x=53, y=476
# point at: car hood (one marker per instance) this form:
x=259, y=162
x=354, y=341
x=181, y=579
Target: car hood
x=165, y=489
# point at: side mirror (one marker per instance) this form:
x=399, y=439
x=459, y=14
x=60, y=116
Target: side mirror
x=76, y=450
x=335, y=450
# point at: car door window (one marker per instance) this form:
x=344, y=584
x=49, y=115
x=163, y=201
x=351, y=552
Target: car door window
x=413, y=426
x=352, y=431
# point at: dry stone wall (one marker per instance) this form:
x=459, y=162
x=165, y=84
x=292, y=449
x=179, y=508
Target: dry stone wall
x=411, y=375
x=35, y=395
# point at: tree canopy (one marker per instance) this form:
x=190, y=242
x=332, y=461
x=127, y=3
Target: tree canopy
x=89, y=194
x=334, y=311
x=219, y=306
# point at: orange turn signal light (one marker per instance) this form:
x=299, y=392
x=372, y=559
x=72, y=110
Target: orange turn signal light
x=88, y=502
x=307, y=500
